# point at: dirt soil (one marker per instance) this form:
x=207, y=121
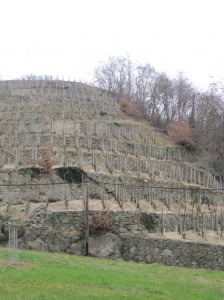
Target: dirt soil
x=192, y=236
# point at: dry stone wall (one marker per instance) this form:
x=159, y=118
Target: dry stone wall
x=172, y=252
x=129, y=240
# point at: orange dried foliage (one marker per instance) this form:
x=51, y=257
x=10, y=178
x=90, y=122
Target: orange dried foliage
x=44, y=160
x=130, y=107
x=102, y=222
x=180, y=133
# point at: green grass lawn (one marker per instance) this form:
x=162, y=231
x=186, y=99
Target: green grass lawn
x=61, y=276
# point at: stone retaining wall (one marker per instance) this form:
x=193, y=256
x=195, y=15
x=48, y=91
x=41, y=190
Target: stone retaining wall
x=130, y=240
x=172, y=252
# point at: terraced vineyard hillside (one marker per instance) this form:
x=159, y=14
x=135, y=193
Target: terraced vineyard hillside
x=82, y=132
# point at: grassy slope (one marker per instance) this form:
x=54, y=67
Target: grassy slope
x=60, y=276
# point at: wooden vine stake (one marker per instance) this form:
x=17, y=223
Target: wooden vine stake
x=179, y=221
x=211, y=221
x=65, y=191
x=103, y=195
x=184, y=224
x=121, y=196
x=221, y=224
x=203, y=225
x=197, y=221
x=86, y=203
x=162, y=223
x=138, y=198
x=216, y=223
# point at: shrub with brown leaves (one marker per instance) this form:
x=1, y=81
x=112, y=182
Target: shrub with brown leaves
x=101, y=222
x=130, y=107
x=180, y=132
x=44, y=160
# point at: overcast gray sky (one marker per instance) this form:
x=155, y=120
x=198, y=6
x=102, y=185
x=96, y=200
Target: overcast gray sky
x=69, y=38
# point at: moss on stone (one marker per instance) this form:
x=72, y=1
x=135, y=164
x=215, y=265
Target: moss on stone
x=70, y=174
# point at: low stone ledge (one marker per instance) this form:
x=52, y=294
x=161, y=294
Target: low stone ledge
x=172, y=252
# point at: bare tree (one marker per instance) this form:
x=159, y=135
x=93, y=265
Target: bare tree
x=144, y=88
x=166, y=100
x=116, y=76
x=209, y=129
x=182, y=100
x=164, y=93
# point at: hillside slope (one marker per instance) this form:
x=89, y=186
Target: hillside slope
x=77, y=127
